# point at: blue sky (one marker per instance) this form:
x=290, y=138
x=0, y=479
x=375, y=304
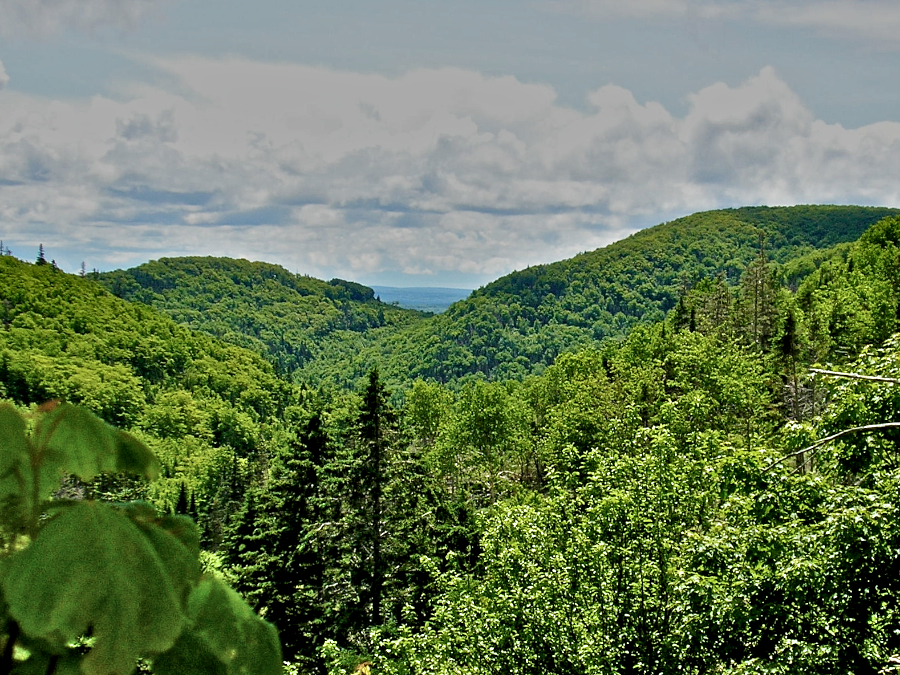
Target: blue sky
x=428, y=143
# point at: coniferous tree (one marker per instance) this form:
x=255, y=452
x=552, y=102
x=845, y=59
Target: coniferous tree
x=374, y=434
x=275, y=545
x=789, y=352
x=294, y=594
x=41, y=260
x=757, y=312
x=182, y=505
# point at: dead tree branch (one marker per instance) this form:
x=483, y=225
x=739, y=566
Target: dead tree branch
x=854, y=376
x=822, y=441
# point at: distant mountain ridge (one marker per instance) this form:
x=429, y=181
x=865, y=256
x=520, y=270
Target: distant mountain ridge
x=514, y=326
x=519, y=323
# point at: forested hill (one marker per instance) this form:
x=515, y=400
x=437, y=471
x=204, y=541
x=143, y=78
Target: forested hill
x=203, y=406
x=691, y=499
x=515, y=326
x=282, y=316
x=519, y=323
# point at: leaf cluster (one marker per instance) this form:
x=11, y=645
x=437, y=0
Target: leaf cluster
x=122, y=576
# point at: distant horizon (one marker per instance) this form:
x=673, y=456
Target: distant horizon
x=376, y=287
x=417, y=284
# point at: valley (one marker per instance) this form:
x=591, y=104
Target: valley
x=607, y=464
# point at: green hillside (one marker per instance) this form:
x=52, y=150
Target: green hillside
x=256, y=305
x=203, y=406
x=690, y=498
x=518, y=324
x=336, y=332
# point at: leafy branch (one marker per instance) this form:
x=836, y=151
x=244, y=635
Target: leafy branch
x=122, y=574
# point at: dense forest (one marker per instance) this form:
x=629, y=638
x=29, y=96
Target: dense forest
x=677, y=454
x=511, y=328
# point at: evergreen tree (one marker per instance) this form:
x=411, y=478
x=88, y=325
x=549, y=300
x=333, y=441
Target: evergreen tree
x=275, y=546
x=681, y=315
x=757, y=313
x=789, y=352
x=376, y=426
x=182, y=506
x=41, y=260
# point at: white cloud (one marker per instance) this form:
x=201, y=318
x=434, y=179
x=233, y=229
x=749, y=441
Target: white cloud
x=4, y=78
x=434, y=172
x=867, y=19
x=46, y=17
x=862, y=19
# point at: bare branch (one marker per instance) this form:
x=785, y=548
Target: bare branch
x=828, y=439
x=854, y=376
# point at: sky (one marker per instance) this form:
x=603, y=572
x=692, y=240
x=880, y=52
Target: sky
x=425, y=143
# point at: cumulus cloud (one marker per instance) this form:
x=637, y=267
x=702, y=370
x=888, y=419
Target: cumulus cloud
x=434, y=172
x=864, y=19
x=46, y=17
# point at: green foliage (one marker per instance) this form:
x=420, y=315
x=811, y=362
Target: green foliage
x=194, y=400
x=123, y=575
x=513, y=327
x=520, y=323
x=288, y=318
x=540, y=500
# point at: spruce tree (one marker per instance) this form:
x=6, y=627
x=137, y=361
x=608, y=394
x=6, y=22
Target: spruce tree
x=757, y=313
x=275, y=546
x=375, y=428
x=182, y=506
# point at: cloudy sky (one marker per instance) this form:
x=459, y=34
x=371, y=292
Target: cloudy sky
x=416, y=142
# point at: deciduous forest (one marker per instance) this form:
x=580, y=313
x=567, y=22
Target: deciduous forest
x=675, y=454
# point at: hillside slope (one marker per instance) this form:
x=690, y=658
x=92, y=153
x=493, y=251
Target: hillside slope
x=519, y=323
x=282, y=316
x=203, y=406
x=336, y=331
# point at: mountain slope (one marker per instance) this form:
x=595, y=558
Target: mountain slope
x=198, y=402
x=282, y=316
x=519, y=323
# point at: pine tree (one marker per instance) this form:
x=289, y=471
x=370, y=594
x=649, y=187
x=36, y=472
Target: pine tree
x=275, y=547
x=789, y=351
x=718, y=306
x=41, y=260
x=758, y=313
x=681, y=315
x=374, y=430
x=181, y=506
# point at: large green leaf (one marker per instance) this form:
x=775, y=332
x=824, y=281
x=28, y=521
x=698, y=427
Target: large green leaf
x=226, y=637
x=176, y=541
x=76, y=440
x=15, y=460
x=191, y=655
x=14, y=448
x=93, y=568
x=40, y=664
x=132, y=456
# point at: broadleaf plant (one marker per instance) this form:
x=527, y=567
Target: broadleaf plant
x=118, y=577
